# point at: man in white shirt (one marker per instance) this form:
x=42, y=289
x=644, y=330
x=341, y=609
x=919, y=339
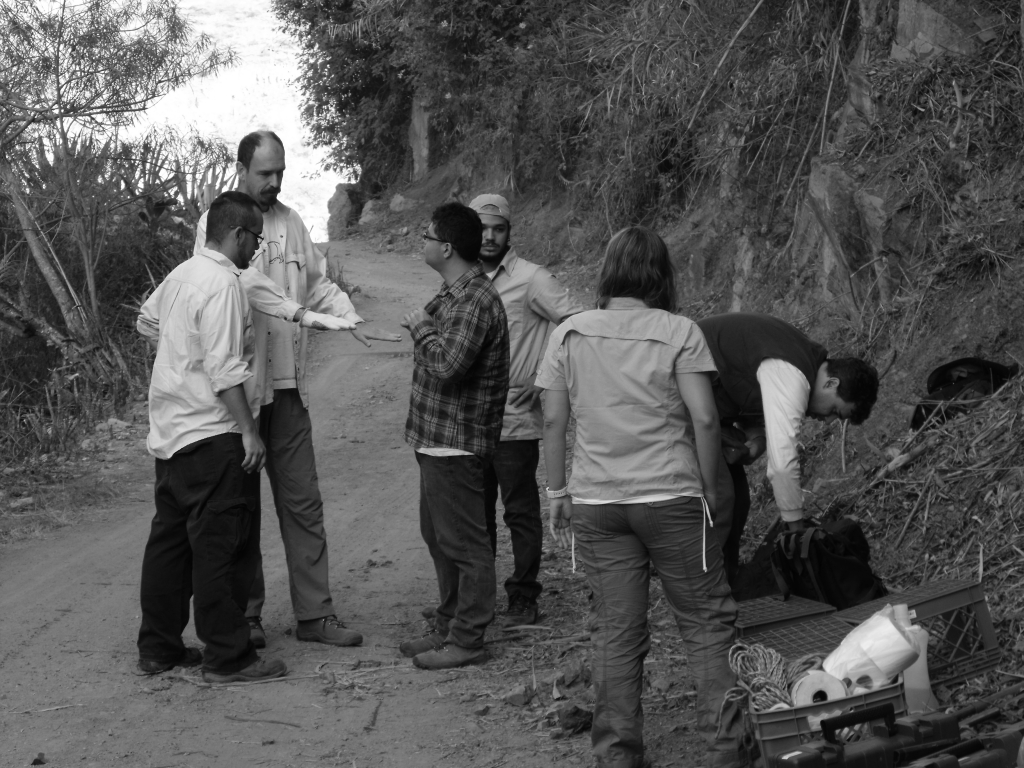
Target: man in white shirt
x=288, y=260
x=203, y=404
x=534, y=303
x=772, y=376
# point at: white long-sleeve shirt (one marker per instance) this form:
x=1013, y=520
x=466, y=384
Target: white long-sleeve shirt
x=288, y=259
x=199, y=317
x=785, y=393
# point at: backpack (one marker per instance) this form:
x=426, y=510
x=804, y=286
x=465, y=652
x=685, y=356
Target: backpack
x=827, y=563
x=962, y=381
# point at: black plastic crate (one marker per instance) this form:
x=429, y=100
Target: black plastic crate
x=961, y=637
x=772, y=612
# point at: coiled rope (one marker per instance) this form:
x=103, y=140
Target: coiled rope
x=764, y=678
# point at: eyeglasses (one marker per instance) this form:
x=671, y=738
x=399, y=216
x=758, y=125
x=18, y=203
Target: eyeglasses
x=435, y=239
x=259, y=238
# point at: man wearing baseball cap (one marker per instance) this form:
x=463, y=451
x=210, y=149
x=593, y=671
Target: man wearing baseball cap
x=535, y=303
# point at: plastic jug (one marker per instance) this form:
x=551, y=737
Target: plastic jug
x=916, y=680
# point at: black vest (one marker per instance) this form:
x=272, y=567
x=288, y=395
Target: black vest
x=739, y=342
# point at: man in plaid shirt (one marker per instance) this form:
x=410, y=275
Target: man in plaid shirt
x=459, y=387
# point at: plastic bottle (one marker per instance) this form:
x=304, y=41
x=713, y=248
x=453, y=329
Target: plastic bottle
x=916, y=682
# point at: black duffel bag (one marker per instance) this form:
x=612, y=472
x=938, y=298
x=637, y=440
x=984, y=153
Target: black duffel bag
x=826, y=563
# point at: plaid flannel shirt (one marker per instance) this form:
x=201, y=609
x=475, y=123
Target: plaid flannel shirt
x=460, y=379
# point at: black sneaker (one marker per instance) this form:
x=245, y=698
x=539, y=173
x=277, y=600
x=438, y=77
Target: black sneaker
x=521, y=611
x=256, y=633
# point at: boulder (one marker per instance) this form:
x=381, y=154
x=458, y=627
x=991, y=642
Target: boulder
x=927, y=28
x=371, y=213
x=340, y=212
x=399, y=203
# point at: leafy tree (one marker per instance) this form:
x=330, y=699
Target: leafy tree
x=68, y=67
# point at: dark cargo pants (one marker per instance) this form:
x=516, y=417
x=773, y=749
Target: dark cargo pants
x=617, y=543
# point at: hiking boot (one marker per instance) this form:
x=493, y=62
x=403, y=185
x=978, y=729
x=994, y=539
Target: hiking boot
x=191, y=658
x=521, y=611
x=449, y=656
x=327, y=630
x=261, y=669
x=256, y=633
x=431, y=641
x=429, y=613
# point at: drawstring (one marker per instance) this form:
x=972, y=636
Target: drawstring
x=704, y=533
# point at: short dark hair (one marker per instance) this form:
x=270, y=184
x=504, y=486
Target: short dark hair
x=858, y=385
x=459, y=225
x=230, y=210
x=637, y=265
x=247, y=146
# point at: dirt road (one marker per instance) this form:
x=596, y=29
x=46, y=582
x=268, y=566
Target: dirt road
x=69, y=612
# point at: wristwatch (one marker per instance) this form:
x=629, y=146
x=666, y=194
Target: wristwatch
x=556, y=494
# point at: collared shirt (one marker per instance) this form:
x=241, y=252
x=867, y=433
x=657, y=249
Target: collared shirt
x=785, y=393
x=280, y=343
x=460, y=379
x=200, y=318
x=535, y=303
x=634, y=436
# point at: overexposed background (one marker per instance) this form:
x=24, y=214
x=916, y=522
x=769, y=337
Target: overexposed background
x=259, y=92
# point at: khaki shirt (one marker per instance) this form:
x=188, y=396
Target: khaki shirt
x=200, y=319
x=634, y=436
x=286, y=242
x=535, y=303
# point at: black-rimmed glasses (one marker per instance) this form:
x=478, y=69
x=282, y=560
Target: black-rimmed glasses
x=259, y=238
x=435, y=239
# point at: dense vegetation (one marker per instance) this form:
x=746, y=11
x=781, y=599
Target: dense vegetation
x=630, y=104
x=88, y=220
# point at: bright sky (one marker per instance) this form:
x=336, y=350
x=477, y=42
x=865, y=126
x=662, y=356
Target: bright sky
x=259, y=92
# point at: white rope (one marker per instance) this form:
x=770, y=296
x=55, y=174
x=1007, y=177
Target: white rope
x=704, y=533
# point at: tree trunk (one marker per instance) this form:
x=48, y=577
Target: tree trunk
x=70, y=307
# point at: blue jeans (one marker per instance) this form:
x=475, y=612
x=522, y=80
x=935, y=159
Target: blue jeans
x=616, y=543
x=453, y=527
x=513, y=470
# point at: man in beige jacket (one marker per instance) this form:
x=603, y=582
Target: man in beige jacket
x=288, y=258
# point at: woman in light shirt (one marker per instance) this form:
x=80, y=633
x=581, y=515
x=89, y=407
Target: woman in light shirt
x=637, y=377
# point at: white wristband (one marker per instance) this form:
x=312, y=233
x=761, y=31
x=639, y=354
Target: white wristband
x=557, y=494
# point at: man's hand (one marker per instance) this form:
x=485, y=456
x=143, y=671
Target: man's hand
x=527, y=396
x=414, y=318
x=321, y=322
x=757, y=445
x=364, y=335
x=560, y=516
x=255, y=452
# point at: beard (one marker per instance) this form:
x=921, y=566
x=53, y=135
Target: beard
x=495, y=259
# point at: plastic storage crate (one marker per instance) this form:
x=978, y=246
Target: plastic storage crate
x=962, y=639
x=821, y=635
x=772, y=612
x=784, y=729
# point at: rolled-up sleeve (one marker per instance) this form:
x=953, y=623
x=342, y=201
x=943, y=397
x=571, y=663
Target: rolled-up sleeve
x=551, y=374
x=221, y=337
x=784, y=394
x=148, y=322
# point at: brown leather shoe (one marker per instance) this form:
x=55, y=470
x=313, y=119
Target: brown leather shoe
x=261, y=669
x=327, y=630
x=431, y=641
x=449, y=656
